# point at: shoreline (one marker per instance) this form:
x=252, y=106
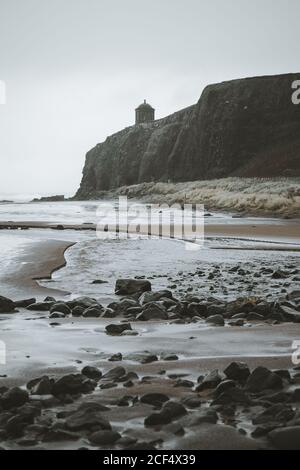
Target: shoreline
x=38, y=263
x=285, y=233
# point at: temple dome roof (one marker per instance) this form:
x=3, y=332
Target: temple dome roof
x=145, y=105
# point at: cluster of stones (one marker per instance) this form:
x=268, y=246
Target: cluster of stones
x=140, y=303
x=69, y=409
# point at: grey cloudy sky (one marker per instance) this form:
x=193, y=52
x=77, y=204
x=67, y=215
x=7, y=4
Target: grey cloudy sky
x=76, y=69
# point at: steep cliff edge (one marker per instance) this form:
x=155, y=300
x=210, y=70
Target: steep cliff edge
x=247, y=127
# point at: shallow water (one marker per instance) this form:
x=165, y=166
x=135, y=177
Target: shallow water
x=166, y=262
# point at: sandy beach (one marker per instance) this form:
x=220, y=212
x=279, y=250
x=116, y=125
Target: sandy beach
x=56, y=260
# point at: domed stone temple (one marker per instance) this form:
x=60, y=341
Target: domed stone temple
x=144, y=113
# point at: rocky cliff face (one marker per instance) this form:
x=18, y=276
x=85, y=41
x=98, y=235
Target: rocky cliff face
x=246, y=127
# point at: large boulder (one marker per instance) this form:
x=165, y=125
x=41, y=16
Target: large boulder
x=14, y=397
x=60, y=307
x=6, y=305
x=237, y=371
x=117, y=329
x=262, y=379
x=73, y=384
x=92, y=373
x=152, y=311
x=132, y=286
x=290, y=314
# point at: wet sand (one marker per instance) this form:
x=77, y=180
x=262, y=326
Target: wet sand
x=39, y=261
x=35, y=348
x=278, y=232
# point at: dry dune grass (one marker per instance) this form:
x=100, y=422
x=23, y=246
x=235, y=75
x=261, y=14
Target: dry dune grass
x=278, y=197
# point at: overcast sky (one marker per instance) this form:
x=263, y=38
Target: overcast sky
x=76, y=69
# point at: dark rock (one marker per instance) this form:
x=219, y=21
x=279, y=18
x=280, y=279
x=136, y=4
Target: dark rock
x=59, y=435
x=215, y=310
x=116, y=357
x=114, y=374
x=14, y=397
x=217, y=320
x=117, y=329
x=279, y=274
x=278, y=397
x=232, y=395
x=284, y=374
x=92, y=373
x=170, y=411
x=42, y=386
x=129, y=376
x=210, y=381
x=73, y=384
x=99, y=281
x=84, y=302
x=294, y=295
x=236, y=322
x=261, y=379
x=278, y=413
x=147, y=297
x=87, y=419
x=196, y=308
x=253, y=316
x=78, y=311
x=152, y=311
x=24, y=303
x=108, y=385
x=155, y=399
x=122, y=307
x=191, y=402
x=93, y=312
x=286, y=438
x=131, y=286
x=290, y=314
x=60, y=307
x=49, y=299
x=104, y=437
x=184, y=383
x=237, y=371
x=6, y=305
x=168, y=357
x=224, y=386
x=40, y=306
x=109, y=313
x=56, y=315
